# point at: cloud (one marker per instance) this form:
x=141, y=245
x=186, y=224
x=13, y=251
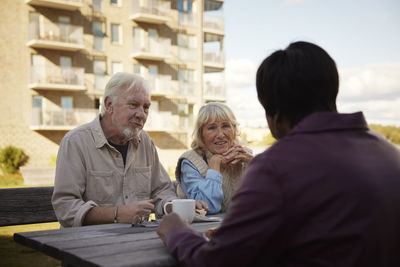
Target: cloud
x=373, y=89
x=241, y=92
x=240, y=73
x=293, y=2
x=370, y=82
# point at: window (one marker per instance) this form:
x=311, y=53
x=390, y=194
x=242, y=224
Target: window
x=98, y=36
x=116, y=67
x=185, y=75
x=37, y=108
x=153, y=70
x=138, y=40
x=97, y=103
x=37, y=102
x=66, y=102
x=185, y=6
x=116, y=33
x=136, y=68
x=187, y=81
x=97, y=6
x=99, y=70
x=65, y=62
x=65, y=28
x=115, y=2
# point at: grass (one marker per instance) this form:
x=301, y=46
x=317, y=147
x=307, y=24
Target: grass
x=13, y=254
x=11, y=180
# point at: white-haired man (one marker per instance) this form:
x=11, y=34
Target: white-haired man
x=108, y=170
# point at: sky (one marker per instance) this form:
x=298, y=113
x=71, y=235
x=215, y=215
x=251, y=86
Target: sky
x=362, y=36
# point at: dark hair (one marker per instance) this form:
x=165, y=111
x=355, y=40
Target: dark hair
x=298, y=81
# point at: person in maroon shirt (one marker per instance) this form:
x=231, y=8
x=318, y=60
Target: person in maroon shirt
x=326, y=194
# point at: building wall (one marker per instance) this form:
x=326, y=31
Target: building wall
x=16, y=107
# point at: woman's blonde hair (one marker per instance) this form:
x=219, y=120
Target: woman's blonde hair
x=213, y=111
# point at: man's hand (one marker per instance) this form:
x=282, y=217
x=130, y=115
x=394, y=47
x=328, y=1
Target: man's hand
x=169, y=222
x=136, y=209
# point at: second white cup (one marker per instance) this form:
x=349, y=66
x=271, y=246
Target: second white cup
x=185, y=208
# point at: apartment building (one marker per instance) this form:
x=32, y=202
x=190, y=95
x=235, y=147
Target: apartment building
x=57, y=55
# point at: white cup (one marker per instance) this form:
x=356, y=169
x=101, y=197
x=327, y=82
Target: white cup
x=185, y=208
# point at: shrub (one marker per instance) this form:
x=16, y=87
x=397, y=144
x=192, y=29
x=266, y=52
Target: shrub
x=12, y=158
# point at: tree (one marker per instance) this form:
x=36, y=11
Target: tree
x=11, y=158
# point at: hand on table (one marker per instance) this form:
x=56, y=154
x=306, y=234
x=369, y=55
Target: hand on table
x=200, y=204
x=134, y=212
x=169, y=222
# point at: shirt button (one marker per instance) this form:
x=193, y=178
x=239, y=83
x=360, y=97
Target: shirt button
x=126, y=197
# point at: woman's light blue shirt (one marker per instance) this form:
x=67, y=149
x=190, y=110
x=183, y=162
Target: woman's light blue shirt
x=208, y=189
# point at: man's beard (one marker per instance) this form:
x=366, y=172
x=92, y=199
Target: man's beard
x=131, y=135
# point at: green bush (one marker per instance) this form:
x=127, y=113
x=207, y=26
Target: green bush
x=12, y=158
x=392, y=133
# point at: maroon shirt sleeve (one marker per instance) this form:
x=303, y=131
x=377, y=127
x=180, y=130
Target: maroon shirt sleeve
x=248, y=230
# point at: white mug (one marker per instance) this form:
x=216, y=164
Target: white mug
x=185, y=208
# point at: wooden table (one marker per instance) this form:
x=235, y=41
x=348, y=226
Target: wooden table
x=104, y=245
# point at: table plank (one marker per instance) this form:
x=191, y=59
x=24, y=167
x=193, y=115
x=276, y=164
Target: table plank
x=104, y=245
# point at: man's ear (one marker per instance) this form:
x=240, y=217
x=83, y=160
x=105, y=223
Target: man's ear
x=108, y=104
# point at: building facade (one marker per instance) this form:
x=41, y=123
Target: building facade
x=57, y=56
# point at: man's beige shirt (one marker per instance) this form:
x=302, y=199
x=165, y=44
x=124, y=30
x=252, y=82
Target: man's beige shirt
x=90, y=172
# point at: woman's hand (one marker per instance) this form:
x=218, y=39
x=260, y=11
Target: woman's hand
x=216, y=161
x=237, y=154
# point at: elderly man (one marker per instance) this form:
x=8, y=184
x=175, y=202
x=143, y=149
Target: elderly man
x=108, y=170
x=325, y=194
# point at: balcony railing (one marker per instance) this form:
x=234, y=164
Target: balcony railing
x=160, y=85
x=57, y=78
x=214, y=60
x=100, y=81
x=162, y=121
x=151, y=11
x=57, y=36
x=59, y=4
x=187, y=54
x=63, y=119
x=187, y=88
x=186, y=19
x=213, y=24
x=214, y=92
x=152, y=48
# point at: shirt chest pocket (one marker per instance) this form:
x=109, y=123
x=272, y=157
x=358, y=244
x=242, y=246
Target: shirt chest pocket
x=140, y=182
x=102, y=187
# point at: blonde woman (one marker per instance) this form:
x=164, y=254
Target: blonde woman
x=213, y=169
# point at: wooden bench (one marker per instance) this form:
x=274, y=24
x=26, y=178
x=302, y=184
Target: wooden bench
x=26, y=205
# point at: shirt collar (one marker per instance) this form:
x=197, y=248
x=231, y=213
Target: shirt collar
x=328, y=121
x=99, y=138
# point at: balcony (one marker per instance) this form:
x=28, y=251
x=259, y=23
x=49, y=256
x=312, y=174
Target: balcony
x=160, y=85
x=187, y=54
x=59, y=4
x=213, y=24
x=162, y=121
x=157, y=49
x=151, y=11
x=187, y=88
x=186, y=19
x=55, y=36
x=62, y=119
x=213, y=61
x=56, y=78
x=214, y=92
